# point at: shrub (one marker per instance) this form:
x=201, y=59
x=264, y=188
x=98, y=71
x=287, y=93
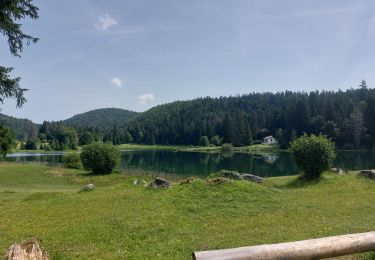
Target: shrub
x=72, y=161
x=100, y=158
x=203, y=141
x=313, y=154
x=216, y=140
x=227, y=148
x=32, y=144
x=7, y=140
x=86, y=138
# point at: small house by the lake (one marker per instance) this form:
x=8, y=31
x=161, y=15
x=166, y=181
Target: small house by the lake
x=269, y=140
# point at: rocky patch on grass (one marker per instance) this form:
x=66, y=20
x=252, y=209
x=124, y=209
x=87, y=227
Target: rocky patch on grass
x=88, y=187
x=28, y=250
x=251, y=177
x=139, y=182
x=370, y=174
x=234, y=175
x=159, y=183
x=219, y=180
x=338, y=171
x=188, y=181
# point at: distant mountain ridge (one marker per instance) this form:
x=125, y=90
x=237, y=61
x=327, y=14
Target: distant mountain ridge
x=100, y=119
x=23, y=128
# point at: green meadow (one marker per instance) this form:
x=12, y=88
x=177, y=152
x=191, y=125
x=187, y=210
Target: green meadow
x=119, y=220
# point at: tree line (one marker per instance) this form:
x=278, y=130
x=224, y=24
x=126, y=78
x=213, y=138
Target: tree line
x=346, y=117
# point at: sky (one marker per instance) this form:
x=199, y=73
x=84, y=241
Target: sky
x=137, y=54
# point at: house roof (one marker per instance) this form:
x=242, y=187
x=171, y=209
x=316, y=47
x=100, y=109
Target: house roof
x=268, y=137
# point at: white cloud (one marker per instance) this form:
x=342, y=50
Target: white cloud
x=116, y=82
x=145, y=98
x=105, y=22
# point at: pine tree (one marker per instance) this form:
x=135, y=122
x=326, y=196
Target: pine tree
x=11, y=11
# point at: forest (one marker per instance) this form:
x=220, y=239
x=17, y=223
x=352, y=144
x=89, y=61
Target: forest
x=346, y=117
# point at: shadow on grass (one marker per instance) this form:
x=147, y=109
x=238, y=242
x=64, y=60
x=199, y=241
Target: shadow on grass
x=299, y=182
x=90, y=174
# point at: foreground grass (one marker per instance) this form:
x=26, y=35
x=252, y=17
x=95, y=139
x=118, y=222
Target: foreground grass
x=119, y=220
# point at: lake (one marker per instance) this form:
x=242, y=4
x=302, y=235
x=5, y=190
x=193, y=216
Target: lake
x=202, y=164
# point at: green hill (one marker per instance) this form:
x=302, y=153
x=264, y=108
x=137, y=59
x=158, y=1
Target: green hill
x=100, y=119
x=23, y=128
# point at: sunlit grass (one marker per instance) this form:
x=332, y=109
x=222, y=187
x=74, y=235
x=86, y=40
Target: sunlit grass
x=119, y=220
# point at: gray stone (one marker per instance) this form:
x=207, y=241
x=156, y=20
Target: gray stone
x=251, y=177
x=159, y=183
x=139, y=182
x=368, y=174
x=337, y=170
x=88, y=187
x=234, y=175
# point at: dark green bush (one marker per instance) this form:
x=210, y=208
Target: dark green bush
x=7, y=140
x=313, y=154
x=100, y=158
x=216, y=140
x=227, y=148
x=72, y=161
x=86, y=138
x=203, y=141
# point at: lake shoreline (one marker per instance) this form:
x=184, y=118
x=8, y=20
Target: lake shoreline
x=202, y=163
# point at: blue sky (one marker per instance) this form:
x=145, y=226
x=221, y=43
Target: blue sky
x=137, y=54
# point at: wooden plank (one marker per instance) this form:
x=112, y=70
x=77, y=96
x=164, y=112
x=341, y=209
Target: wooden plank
x=305, y=249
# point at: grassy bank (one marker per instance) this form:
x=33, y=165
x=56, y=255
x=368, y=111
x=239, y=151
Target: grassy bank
x=119, y=220
x=250, y=148
x=150, y=147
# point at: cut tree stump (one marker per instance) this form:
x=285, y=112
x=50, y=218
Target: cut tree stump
x=28, y=250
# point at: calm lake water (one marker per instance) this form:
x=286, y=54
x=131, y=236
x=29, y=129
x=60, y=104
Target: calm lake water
x=202, y=164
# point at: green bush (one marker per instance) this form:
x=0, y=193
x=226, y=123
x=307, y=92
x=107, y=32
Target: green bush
x=216, y=140
x=227, y=148
x=7, y=141
x=313, y=154
x=86, y=138
x=100, y=158
x=203, y=141
x=72, y=161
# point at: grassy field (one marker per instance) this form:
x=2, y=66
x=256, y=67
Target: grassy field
x=119, y=220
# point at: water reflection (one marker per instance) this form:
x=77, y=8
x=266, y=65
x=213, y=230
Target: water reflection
x=202, y=164
x=47, y=158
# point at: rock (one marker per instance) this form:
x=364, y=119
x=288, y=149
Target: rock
x=251, y=177
x=230, y=174
x=139, y=182
x=368, y=174
x=159, y=183
x=88, y=187
x=27, y=250
x=337, y=170
x=188, y=181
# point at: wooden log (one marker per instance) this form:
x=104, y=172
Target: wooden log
x=306, y=249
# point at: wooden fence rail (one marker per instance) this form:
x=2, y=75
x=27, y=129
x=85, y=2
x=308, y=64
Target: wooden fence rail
x=306, y=249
